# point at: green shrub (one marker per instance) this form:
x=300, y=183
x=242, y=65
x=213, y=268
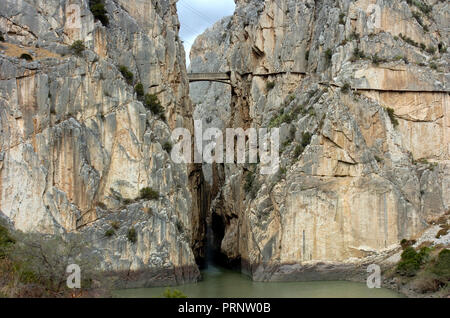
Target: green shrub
x=431, y=50
x=127, y=201
x=377, y=60
x=249, y=181
x=78, y=47
x=298, y=151
x=26, y=56
x=442, y=265
x=132, y=235
x=328, y=55
x=168, y=293
x=152, y=103
x=358, y=54
x=282, y=172
x=409, y=253
x=126, y=73
x=180, y=227
x=409, y=264
x=354, y=36
x=270, y=86
x=167, y=147
x=115, y=225
x=110, y=233
x=149, y=194
x=98, y=10
x=346, y=88
x=306, y=139
x=6, y=241
x=418, y=17
x=411, y=260
x=433, y=66
x=392, y=117
x=277, y=121
x=139, y=89
x=425, y=8
x=411, y=41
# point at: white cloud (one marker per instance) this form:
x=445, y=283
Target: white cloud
x=198, y=15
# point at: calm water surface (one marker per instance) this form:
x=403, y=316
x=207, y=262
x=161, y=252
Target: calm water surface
x=223, y=283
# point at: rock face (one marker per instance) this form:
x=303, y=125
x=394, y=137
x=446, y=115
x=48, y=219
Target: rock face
x=77, y=146
x=368, y=177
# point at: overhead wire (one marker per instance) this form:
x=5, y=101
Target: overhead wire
x=196, y=12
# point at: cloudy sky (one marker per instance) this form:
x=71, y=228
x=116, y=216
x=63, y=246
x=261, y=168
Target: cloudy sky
x=198, y=15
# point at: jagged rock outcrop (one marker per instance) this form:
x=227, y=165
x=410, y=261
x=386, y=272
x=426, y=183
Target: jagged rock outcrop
x=368, y=177
x=77, y=146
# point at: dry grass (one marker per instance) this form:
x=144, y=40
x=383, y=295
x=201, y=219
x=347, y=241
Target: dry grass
x=443, y=231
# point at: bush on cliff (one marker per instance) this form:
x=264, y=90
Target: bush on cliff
x=358, y=54
x=126, y=73
x=149, y=194
x=270, y=86
x=132, y=235
x=346, y=88
x=98, y=10
x=422, y=6
x=306, y=139
x=391, y=114
x=152, y=103
x=78, y=47
x=328, y=55
x=110, y=232
x=411, y=260
x=139, y=89
x=167, y=146
x=442, y=265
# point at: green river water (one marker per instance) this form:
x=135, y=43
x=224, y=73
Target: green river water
x=222, y=283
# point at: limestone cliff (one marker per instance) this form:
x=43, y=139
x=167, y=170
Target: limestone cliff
x=360, y=92
x=76, y=144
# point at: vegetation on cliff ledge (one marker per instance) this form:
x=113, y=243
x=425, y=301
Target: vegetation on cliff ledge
x=98, y=10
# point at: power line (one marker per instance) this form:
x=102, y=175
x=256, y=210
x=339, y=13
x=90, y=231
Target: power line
x=196, y=12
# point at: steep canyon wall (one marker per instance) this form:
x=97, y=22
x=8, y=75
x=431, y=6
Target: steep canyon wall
x=77, y=145
x=354, y=179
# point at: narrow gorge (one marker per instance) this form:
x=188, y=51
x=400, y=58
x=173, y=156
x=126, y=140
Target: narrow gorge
x=364, y=120
x=359, y=91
